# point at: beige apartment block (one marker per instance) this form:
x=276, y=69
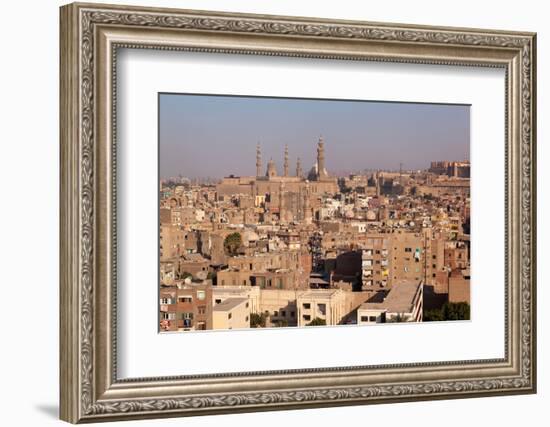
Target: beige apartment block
x=265, y=261
x=232, y=278
x=279, y=305
x=232, y=313
x=375, y=261
x=172, y=242
x=435, y=256
x=330, y=305
x=408, y=256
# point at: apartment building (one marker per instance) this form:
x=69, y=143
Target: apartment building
x=403, y=303
x=330, y=305
x=187, y=306
x=232, y=313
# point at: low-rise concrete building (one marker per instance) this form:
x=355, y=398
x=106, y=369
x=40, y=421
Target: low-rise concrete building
x=220, y=294
x=232, y=313
x=459, y=286
x=403, y=303
x=330, y=305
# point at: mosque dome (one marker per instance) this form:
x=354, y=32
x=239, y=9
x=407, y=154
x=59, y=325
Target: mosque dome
x=313, y=174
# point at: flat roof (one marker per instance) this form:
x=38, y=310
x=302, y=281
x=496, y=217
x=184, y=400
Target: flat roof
x=400, y=298
x=318, y=281
x=194, y=257
x=313, y=293
x=229, y=304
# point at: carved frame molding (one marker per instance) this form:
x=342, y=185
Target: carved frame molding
x=90, y=37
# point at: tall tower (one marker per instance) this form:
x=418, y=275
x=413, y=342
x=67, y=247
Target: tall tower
x=258, y=160
x=271, y=169
x=285, y=164
x=321, y=172
x=377, y=183
x=307, y=206
x=282, y=208
x=299, y=171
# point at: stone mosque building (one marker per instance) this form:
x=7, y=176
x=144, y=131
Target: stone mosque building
x=291, y=197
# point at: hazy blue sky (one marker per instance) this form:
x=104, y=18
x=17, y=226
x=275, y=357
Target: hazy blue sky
x=215, y=136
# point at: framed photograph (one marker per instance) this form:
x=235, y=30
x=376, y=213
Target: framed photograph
x=266, y=212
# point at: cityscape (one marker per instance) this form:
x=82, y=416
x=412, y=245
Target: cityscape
x=293, y=246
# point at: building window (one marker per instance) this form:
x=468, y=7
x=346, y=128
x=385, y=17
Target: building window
x=307, y=317
x=372, y=318
x=202, y=309
x=408, y=249
x=230, y=315
x=322, y=308
x=218, y=301
x=283, y=313
x=306, y=306
x=185, y=299
x=292, y=314
x=275, y=313
x=364, y=318
x=201, y=295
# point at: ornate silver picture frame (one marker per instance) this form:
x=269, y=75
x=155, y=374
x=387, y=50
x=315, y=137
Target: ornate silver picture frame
x=91, y=35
